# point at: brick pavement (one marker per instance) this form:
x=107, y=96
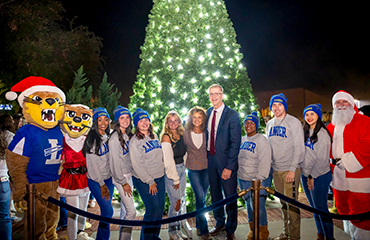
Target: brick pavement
x=273, y=214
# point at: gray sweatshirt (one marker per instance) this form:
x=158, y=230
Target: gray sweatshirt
x=287, y=143
x=316, y=161
x=146, y=158
x=98, y=166
x=119, y=158
x=254, y=158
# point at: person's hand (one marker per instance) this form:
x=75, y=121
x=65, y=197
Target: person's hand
x=153, y=189
x=310, y=183
x=340, y=164
x=127, y=190
x=176, y=186
x=226, y=173
x=290, y=177
x=104, y=192
x=177, y=205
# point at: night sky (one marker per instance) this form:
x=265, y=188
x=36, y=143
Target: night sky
x=318, y=45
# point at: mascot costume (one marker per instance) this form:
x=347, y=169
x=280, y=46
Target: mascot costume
x=35, y=152
x=73, y=182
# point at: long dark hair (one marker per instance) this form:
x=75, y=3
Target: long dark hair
x=140, y=135
x=128, y=131
x=7, y=123
x=93, y=139
x=313, y=138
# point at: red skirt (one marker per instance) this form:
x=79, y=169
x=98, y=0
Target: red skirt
x=73, y=184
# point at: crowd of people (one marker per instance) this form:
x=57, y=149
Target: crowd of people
x=211, y=151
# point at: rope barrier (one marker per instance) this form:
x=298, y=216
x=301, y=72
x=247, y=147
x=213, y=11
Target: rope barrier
x=361, y=216
x=143, y=222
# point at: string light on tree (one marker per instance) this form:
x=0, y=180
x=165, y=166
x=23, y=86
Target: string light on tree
x=189, y=45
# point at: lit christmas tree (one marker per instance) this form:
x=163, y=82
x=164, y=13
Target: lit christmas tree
x=189, y=46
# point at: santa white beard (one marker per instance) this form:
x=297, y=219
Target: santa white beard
x=342, y=116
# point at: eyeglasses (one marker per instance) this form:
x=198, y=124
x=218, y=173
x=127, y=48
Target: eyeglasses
x=215, y=94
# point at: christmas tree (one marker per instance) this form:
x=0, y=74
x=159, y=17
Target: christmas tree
x=189, y=46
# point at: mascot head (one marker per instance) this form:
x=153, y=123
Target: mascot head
x=41, y=100
x=77, y=120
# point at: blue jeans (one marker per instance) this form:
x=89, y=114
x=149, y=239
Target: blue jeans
x=200, y=183
x=243, y=184
x=106, y=209
x=318, y=198
x=5, y=221
x=154, y=206
x=175, y=195
x=63, y=215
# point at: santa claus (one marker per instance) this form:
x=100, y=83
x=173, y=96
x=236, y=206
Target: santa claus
x=351, y=153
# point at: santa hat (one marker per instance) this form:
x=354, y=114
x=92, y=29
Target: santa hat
x=343, y=95
x=33, y=84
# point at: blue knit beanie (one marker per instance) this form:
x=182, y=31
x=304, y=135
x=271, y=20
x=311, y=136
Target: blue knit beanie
x=315, y=108
x=280, y=98
x=140, y=114
x=100, y=111
x=119, y=111
x=253, y=117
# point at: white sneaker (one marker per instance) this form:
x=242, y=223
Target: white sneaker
x=15, y=218
x=186, y=227
x=174, y=236
x=84, y=236
x=91, y=203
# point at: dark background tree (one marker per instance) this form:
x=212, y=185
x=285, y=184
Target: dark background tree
x=36, y=39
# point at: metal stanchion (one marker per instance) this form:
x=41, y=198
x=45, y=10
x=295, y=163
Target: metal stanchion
x=256, y=185
x=31, y=194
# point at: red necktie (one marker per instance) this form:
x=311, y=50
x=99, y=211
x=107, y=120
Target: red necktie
x=212, y=141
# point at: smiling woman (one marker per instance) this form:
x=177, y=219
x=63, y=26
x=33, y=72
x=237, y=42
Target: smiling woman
x=99, y=178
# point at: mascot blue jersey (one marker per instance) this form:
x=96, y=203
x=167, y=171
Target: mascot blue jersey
x=44, y=148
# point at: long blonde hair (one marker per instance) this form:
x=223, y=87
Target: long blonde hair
x=166, y=128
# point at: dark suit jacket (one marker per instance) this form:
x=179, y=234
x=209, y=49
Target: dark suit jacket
x=228, y=138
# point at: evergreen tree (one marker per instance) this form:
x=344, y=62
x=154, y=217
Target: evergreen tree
x=189, y=46
x=106, y=97
x=78, y=94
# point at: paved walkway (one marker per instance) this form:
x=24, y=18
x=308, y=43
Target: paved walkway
x=308, y=228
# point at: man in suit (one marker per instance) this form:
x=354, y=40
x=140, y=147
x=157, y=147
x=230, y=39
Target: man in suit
x=223, y=144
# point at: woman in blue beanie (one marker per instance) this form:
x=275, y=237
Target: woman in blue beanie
x=99, y=178
x=121, y=167
x=148, y=171
x=255, y=163
x=316, y=174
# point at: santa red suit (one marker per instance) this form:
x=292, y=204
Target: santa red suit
x=71, y=183
x=351, y=143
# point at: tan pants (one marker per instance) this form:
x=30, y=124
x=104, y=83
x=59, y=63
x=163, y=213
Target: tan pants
x=291, y=214
x=47, y=214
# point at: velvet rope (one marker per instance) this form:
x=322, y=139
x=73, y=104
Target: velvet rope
x=361, y=216
x=142, y=223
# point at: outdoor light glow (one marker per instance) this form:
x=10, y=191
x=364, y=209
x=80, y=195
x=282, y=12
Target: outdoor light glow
x=221, y=30
x=172, y=105
x=208, y=35
x=203, y=72
x=227, y=49
x=192, y=50
x=172, y=90
x=201, y=58
x=184, y=110
x=217, y=74
x=209, y=45
x=193, y=80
